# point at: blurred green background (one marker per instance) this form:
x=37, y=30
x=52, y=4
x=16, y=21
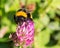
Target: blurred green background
x=46, y=17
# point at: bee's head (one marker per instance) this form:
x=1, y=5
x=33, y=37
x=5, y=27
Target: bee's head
x=22, y=15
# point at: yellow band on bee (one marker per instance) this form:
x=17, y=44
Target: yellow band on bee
x=21, y=13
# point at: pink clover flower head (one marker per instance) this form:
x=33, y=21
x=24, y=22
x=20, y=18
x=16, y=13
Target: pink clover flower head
x=25, y=33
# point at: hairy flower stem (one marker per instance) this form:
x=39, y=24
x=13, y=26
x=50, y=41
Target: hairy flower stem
x=20, y=47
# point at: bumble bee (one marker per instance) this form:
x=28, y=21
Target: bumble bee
x=25, y=28
x=22, y=15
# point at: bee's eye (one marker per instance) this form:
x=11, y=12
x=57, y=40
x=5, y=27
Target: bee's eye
x=19, y=19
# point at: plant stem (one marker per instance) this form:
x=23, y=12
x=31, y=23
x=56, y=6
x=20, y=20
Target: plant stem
x=18, y=46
